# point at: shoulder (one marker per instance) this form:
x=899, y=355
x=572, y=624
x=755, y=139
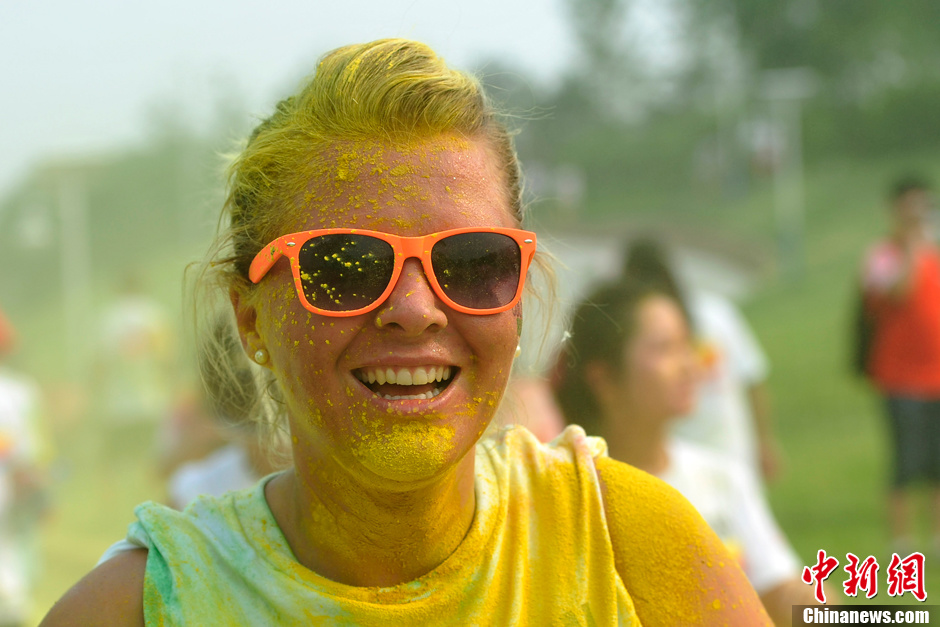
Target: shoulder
x=111, y=594
x=16, y=386
x=671, y=563
x=718, y=319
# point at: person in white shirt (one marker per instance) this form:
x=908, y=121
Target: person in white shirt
x=628, y=372
x=22, y=486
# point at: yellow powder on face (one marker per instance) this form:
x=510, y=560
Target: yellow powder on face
x=410, y=450
x=340, y=178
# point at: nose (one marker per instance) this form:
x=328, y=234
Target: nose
x=412, y=306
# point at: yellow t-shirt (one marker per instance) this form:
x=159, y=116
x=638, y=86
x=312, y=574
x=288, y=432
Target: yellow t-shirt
x=537, y=553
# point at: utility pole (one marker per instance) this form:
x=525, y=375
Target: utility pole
x=785, y=90
x=76, y=272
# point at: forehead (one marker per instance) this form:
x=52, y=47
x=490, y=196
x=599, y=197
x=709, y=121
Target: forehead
x=405, y=188
x=658, y=314
x=914, y=197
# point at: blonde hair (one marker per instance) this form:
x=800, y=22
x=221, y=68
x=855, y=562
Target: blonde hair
x=388, y=90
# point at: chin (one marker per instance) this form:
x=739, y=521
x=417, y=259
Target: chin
x=412, y=451
x=683, y=409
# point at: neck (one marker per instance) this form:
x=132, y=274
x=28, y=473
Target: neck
x=363, y=535
x=637, y=440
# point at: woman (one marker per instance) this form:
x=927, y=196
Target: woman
x=629, y=373
x=732, y=409
x=389, y=332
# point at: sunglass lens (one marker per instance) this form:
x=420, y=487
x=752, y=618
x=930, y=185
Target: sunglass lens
x=345, y=272
x=478, y=270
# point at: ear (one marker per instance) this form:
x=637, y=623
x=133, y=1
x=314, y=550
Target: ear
x=599, y=377
x=246, y=316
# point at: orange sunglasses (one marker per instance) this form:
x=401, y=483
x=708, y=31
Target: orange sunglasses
x=347, y=272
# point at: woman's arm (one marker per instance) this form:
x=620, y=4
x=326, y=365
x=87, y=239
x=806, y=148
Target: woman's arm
x=111, y=594
x=674, y=567
x=780, y=599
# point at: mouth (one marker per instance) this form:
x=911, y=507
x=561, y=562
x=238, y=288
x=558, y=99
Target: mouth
x=400, y=383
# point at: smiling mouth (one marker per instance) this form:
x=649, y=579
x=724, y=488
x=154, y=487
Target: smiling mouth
x=399, y=383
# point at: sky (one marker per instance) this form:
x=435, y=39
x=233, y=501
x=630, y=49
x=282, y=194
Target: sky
x=81, y=76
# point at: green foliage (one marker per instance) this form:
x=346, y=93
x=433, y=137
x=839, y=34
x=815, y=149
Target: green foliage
x=895, y=121
x=837, y=38
x=145, y=213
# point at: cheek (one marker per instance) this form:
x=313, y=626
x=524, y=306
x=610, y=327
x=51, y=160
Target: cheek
x=649, y=382
x=304, y=347
x=493, y=341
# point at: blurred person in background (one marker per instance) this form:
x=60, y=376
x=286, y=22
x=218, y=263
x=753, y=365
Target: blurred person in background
x=235, y=465
x=901, y=283
x=223, y=403
x=133, y=373
x=23, y=486
x=627, y=374
x=189, y=431
x=529, y=402
x=732, y=412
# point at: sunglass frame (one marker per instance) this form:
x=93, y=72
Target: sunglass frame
x=404, y=248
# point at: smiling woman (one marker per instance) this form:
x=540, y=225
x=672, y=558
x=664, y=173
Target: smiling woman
x=375, y=266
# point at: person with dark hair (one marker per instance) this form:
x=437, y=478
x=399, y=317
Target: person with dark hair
x=375, y=263
x=732, y=414
x=901, y=285
x=627, y=374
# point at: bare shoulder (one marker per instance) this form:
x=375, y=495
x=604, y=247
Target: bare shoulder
x=111, y=594
x=673, y=565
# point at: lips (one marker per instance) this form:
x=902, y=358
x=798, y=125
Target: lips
x=406, y=383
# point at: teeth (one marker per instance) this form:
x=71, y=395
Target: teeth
x=420, y=377
x=409, y=397
x=405, y=376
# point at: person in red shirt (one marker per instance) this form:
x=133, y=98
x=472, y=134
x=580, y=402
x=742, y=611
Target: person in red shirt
x=901, y=280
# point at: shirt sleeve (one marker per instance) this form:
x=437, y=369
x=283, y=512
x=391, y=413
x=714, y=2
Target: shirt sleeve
x=769, y=558
x=744, y=353
x=122, y=546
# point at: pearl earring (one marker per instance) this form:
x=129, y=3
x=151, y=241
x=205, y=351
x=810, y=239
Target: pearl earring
x=261, y=356
x=518, y=350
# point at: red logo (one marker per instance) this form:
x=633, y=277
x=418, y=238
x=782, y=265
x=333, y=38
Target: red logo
x=907, y=575
x=904, y=575
x=819, y=573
